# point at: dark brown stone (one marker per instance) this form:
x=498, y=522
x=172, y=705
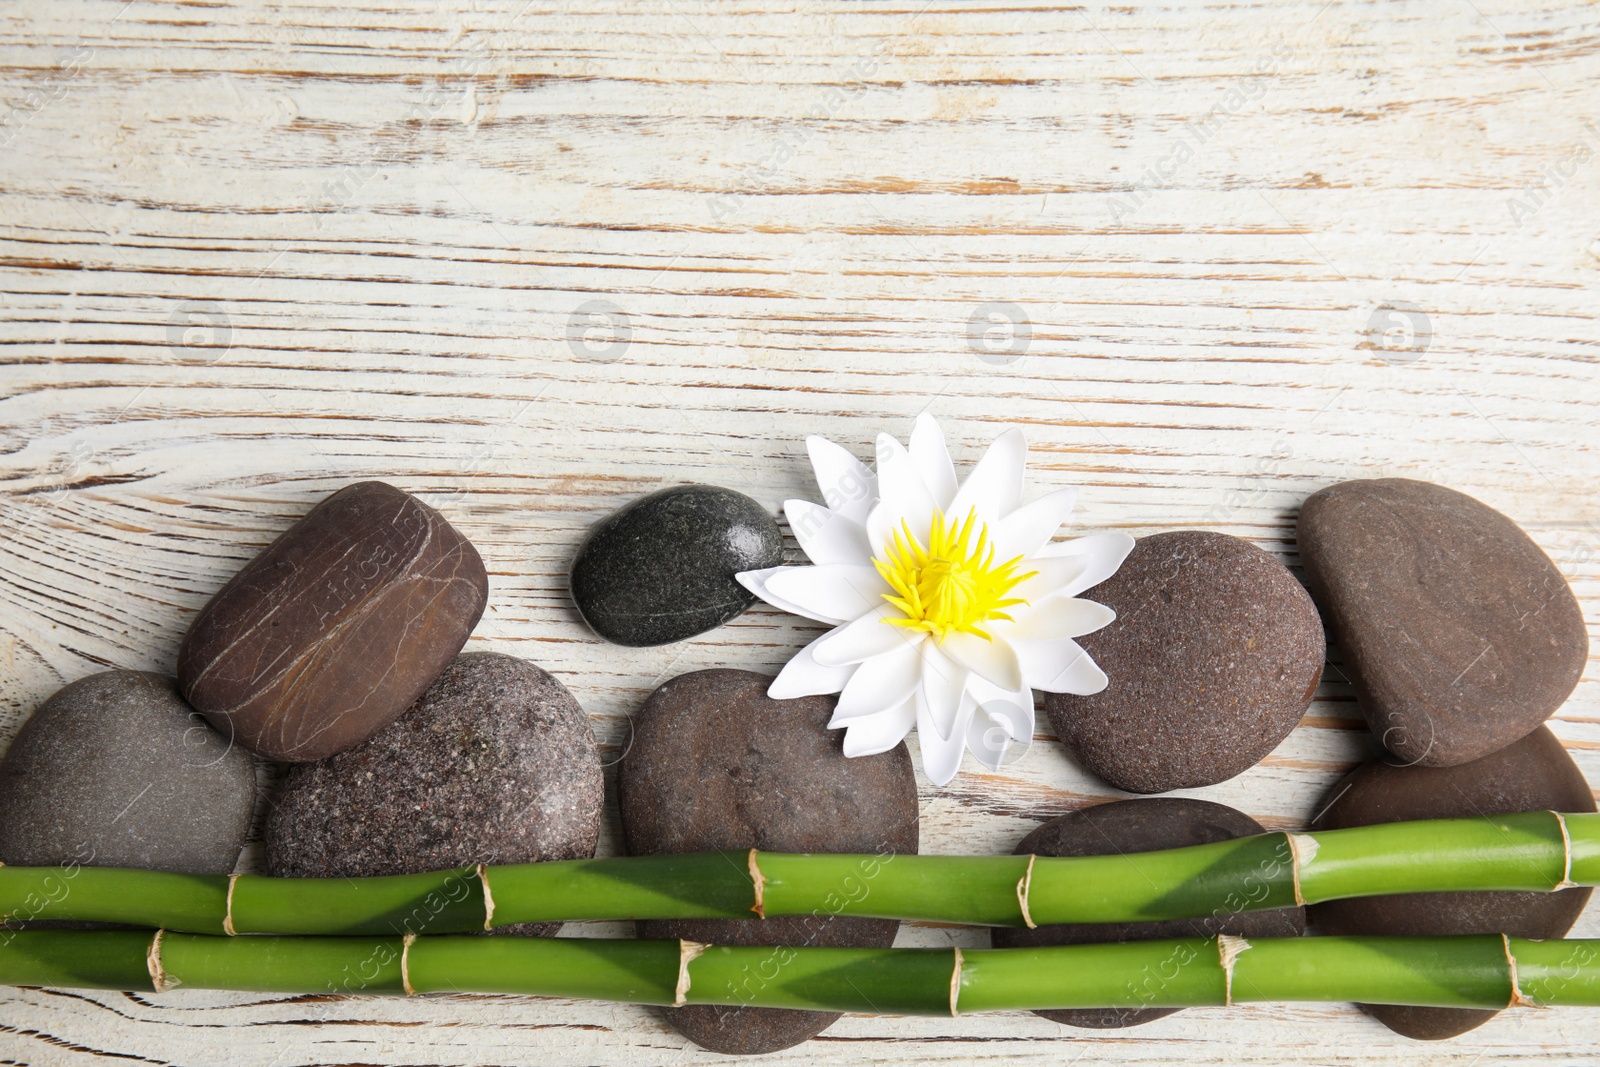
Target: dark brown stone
x=716, y=764
x=496, y=763
x=115, y=770
x=336, y=627
x=1141, y=826
x=1533, y=774
x=1458, y=633
x=1213, y=657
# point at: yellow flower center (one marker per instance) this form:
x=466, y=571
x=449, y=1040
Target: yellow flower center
x=953, y=585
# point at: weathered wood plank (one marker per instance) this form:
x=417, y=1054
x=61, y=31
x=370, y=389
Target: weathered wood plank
x=251, y=251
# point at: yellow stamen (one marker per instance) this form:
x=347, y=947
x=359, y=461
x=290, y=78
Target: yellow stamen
x=953, y=585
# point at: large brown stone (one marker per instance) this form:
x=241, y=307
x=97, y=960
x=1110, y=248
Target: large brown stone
x=1213, y=657
x=1144, y=825
x=1533, y=774
x=336, y=627
x=1458, y=633
x=496, y=763
x=716, y=764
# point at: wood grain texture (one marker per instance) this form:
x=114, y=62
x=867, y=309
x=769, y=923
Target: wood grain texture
x=253, y=251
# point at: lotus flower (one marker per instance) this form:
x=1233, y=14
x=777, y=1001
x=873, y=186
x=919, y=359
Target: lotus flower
x=950, y=602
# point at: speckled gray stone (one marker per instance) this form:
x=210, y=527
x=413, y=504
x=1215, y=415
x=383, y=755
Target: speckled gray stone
x=1532, y=774
x=1213, y=657
x=1458, y=633
x=662, y=568
x=1141, y=826
x=717, y=764
x=115, y=770
x=496, y=763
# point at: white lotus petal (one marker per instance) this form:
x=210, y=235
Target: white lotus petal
x=834, y=592
x=1100, y=554
x=1049, y=576
x=869, y=735
x=994, y=486
x=944, y=683
x=827, y=536
x=881, y=682
x=1058, y=616
x=803, y=676
x=759, y=583
x=941, y=756
x=1059, y=666
x=992, y=659
x=932, y=458
x=1029, y=528
x=986, y=692
x=866, y=637
x=901, y=495
x=847, y=485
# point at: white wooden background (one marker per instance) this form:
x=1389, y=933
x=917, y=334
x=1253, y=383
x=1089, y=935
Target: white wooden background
x=252, y=250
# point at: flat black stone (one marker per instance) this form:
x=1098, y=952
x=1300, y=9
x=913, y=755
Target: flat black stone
x=662, y=568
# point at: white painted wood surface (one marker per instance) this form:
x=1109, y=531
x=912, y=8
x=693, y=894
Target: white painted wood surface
x=252, y=251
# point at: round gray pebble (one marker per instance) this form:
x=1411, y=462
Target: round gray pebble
x=115, y=770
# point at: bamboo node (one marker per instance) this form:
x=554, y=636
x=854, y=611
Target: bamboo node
x=488, y=897
x=152, y=962
x=1519, y=999
x=955, y=985
x=227, y=916
x=758, y=880
x=1023, y=886
x=1566, y=854
x=688, y=951
x=1302, y=850
x=405, y=963
x=1228, y=949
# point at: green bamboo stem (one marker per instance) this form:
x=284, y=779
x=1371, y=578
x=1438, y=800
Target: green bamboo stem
x=1533, y=851
x=1483, y=971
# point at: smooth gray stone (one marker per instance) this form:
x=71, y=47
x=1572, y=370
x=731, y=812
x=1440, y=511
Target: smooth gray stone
x=115, y=770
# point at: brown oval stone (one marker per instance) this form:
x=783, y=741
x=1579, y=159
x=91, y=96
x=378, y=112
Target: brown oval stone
x=496, y=763
x=1212, y=660
x=336, y=627
x=716, y=764
x=1458, y=633
x=1144, y=825
x=1533, y=774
